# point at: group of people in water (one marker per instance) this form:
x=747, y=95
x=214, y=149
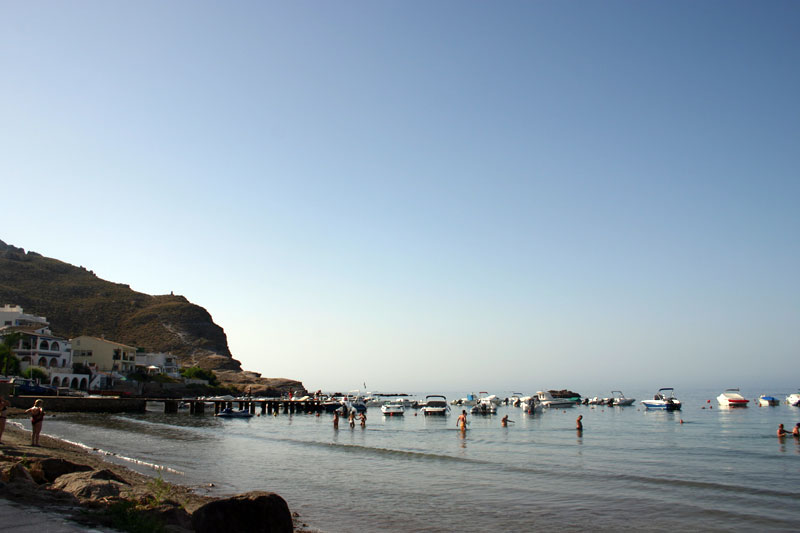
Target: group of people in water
x=795, y=432
x=351, y=419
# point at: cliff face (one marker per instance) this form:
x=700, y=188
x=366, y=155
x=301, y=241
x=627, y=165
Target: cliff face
x=77, y=302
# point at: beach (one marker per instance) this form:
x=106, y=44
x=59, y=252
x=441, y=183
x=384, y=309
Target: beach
x=144, y=501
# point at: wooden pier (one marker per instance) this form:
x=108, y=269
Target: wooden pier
x=171, y=405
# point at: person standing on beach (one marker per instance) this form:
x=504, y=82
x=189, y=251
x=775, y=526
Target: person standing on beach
x=3, y=406
x=578, y=423
x=37, y=417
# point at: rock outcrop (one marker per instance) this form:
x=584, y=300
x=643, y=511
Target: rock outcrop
x=252, y=512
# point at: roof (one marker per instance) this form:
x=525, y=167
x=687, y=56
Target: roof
x=102, y=340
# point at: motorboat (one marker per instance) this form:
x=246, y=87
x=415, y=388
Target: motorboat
x=767, y=401
x=230, y=413
x=435, y=404
x=793, y=399
x=469, y=399
x=531, y=404
x=732, y=398
x=664, y=399
x=484, y=407
x=547, y=400
x=619, y=399
x=393, y=409
x=489, y=398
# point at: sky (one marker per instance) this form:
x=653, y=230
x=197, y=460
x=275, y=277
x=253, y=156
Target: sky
x=426, y=196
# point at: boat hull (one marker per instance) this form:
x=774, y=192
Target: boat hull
x=662, y=405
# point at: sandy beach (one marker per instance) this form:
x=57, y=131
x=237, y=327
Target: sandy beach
x=34, y=475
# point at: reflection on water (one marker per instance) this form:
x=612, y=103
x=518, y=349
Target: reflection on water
x=627, y=469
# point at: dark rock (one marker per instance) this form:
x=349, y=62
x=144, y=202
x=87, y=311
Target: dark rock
x=49, y=469
x=252, y=512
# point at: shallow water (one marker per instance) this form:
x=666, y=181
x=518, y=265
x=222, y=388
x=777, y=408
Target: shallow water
x=630, y=469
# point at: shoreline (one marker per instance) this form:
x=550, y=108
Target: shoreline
x=27, y=477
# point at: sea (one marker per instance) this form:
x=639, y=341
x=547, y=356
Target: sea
x=701, y=469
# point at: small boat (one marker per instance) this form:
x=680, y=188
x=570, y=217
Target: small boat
x=393, y=408
x=230, y=413
x=664, y=399
x=470, y=399
x=531, y=404
x=619, y=399
x=767, y=401
x=547, y=400
x=436, y=405
x=485, y=407
x=793, y=399
x=732, y=398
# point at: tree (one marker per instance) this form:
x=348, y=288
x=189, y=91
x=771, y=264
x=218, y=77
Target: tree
x=35, y=373
x=8, y=360
x=196, y=372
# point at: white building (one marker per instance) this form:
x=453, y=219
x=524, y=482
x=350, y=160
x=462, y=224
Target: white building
x=39, y=347
x=161, y=363
x=13, y=315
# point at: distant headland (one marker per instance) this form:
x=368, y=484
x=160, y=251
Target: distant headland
x=76, y=302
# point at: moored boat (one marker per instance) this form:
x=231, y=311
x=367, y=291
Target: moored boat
x=436, y=405
x=732, y=398
x=664, y=399
x=619, y=399
x=547, y=400
x=230, y=413
x=393, y=409
x=767, y=401
x=793, y=399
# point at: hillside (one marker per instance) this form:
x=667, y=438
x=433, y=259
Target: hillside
x=77, y=302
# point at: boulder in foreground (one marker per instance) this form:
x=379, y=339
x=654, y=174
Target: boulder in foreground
x=252, y=512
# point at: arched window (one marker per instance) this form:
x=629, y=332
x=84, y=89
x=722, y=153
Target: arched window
x=44, y=345
x=74, y=384
x=54, y=346
x=84, y=383
x=54, y=362
x=56, y=382
x=43, y=361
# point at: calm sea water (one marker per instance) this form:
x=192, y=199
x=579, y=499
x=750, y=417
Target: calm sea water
x=631, y=469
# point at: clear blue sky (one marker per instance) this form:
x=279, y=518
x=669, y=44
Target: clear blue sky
x=426, y=195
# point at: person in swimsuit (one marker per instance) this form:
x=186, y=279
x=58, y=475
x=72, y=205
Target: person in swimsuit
x=352, y=418
x=795, y=431
x=363, y=418
x=461, y=423
x=3, y=406
x=578, y=423
x=336, y=420
x=781, y=431
x=504, y=421
x=37, y=417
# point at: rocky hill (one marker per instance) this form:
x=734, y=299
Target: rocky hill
x=77, y=302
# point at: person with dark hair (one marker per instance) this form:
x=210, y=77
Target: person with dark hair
x=37, y=417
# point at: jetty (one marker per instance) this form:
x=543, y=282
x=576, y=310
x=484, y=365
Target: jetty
x=115, y=404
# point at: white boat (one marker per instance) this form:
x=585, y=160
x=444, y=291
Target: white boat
x=767, y=401
x=489, y=398
x=230, y=413
x=531, y=404
x=664, y=399
x=484, y=407
x=732, y=398
x=435, y=404
x=470, y=399
x=393, y=409
x=793, y=399
x=547, y=400
x=619, y=399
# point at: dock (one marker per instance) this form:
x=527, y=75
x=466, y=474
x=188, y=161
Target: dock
x=114, y=404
